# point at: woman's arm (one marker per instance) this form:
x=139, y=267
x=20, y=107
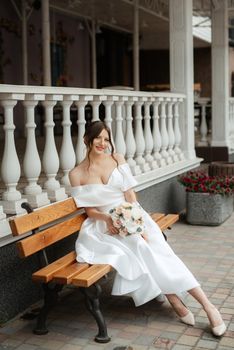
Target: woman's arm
x=130, y=196
x=98, y=215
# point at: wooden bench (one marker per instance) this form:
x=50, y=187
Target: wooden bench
x=48, y=225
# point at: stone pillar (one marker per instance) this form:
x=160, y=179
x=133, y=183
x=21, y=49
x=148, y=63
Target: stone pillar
x=181, y=67
x=220, y=64
x=46, y=43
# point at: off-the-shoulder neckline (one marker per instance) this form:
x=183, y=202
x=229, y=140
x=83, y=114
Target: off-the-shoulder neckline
x=101, y=184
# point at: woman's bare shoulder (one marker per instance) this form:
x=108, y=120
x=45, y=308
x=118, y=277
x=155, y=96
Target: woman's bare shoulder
x=76, y=175
x=119, y=158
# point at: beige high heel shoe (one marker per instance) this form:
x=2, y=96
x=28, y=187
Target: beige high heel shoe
x=188, y=319
x=218, y=331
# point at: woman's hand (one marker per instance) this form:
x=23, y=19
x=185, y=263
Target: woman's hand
x=111, y=228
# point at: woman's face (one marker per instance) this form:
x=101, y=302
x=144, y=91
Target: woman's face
x=101, y=142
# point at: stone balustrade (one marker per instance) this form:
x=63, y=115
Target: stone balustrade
x=146, y=127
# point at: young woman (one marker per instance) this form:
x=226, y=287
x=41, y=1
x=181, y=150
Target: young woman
x=144, y=268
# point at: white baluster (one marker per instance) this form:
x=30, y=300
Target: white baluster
x=171, y=135
x=67, y=155
x=148, y=136
x=164, y=133
x=97, y=100
x=203, y=127
x=32, y=163
x=108, y=117
x=10, y=167
x=50, y=157
x=119, y=137
x=139, y=136
x=129, y=137
x=80, y=146
x=4, y=224
x=157, y=135
x=177, y=148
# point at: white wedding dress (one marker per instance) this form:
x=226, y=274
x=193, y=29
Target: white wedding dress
x=144, y=269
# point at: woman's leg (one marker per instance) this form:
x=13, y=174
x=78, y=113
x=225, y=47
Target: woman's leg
x=185, y=315
x=212, y=313
x=177, y=305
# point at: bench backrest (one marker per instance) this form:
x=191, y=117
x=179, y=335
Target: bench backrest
x=53, y=223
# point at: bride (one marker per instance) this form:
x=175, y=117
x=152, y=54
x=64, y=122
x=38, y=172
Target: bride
x=145, y=268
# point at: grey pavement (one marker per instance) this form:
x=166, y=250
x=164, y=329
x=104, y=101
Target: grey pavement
x=207, y=251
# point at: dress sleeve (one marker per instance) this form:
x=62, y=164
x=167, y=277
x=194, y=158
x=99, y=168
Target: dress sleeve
x=128, y=179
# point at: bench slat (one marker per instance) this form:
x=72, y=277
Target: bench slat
x=167, y=221
x=157, y=216
x=45, y=274
x=91, y=275
x=42, y=216
x=43, y=239
x=66, y=275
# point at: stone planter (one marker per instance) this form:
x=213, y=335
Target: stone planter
x=208, y=209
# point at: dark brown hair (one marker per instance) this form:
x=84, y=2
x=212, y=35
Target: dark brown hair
x=93, y=130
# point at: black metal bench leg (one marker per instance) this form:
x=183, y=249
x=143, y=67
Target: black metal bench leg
x=50, y=300
x=93, y=305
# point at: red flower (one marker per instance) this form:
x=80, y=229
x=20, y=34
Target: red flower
x=195, y=181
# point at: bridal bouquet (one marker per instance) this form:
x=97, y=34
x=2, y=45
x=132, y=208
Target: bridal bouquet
x=127, y=218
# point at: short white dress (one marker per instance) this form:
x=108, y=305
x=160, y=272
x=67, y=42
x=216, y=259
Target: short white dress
x=144, y=269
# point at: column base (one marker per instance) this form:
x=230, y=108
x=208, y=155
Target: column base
x=5, y=229
x=2, y=214
x=57, y=195
x=13, y=207
x=136, y=170
x=37, y=200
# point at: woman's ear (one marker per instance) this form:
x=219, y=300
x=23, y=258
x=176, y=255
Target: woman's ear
x=85, y=141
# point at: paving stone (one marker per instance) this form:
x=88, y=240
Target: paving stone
x=228, y=342
x=71, y=347
x=162, y=343
x=187, y=340
x=181, y=347
x=206, y=344
x=27, y=347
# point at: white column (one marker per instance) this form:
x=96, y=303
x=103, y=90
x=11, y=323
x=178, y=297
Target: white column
x=220, y=81
x=50, y=159
x=46, y=42
x=129, y=137
x=139, y=136
x=148, y=136
x=97, y=100
x=164, y=133
x=119, y=137
x=67, y=154
x=32, y=163
x=181, y=67
x=80, y=146
x=203, y=128
x=170, y=129
x=10, y=167
x=177, y=148
x=108, y=115
x=157, y=135
x=136, y=75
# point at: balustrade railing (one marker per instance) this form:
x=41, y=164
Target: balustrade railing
x=202, y=115
x=146, y=128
